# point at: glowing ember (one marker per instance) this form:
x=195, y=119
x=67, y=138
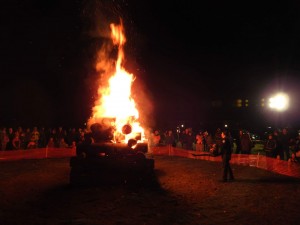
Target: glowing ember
x=115, y=106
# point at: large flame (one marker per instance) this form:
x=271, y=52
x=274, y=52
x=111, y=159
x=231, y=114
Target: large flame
x=115, y=104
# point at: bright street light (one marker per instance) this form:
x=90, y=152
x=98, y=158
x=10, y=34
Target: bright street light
x=279, y=102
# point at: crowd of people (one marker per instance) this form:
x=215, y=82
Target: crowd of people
x=278, y=144
x=281, y=144
x=30, y=138
x=200, y=141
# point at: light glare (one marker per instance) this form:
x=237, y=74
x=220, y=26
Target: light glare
x=279, y=102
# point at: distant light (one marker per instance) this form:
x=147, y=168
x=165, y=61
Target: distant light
x=239, y=103
x=225, y=125
x=262, y=102
x=279, y=102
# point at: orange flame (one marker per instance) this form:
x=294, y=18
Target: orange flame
x=116, y=104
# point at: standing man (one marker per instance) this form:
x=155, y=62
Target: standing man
x=246, y=143
x=170, y=141
x=226, y=151
x=284, y=141
x=238, y=142
x=270, y=147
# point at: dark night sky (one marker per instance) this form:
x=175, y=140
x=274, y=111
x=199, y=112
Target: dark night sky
x=187, y=54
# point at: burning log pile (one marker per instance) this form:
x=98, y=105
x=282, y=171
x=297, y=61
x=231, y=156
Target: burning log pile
x=103, y=161
x=115, y=149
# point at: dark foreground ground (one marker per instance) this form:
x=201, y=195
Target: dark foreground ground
x=187, y=191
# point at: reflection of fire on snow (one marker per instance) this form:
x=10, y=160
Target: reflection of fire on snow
x=115, y=109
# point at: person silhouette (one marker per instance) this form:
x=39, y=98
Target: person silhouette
x=226, y=151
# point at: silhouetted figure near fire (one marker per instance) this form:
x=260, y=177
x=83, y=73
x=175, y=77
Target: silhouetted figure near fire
x=246, y=143
x=218, y=139
x=226, y=151
x=284, y=144
x=238, y=142
x=270, y=146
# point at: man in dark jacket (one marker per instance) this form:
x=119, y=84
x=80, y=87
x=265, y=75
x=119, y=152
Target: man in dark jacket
x=226, y=151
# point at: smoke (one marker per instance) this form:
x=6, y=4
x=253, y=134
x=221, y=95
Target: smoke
x=97, y=15
x=144, y=102
x=96, y=18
